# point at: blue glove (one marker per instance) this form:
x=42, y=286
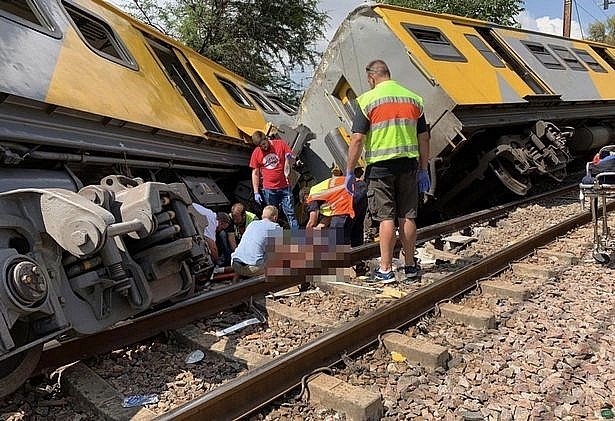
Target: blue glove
x=350, y=182
x=258, y=198
x=423, y=180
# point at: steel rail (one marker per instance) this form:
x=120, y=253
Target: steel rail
x=240, y=397
x=69, y=350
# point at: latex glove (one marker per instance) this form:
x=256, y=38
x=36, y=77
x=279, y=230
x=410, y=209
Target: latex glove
x=258, y=198
x=423, y=181
x=350, y=182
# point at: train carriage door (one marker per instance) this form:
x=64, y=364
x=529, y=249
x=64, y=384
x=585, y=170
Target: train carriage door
x=186, y=81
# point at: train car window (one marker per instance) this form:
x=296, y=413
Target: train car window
x=204, y=88
x=482, y=48
x=569, y=58
x=433, y=41
x=347, y=97
x=99, y=36
x=262, y=102
x=288, y=109
x=543, y=55
x=604, y=54
x=180, y=76
x=30, y=14
x=589, y=60
x=236, y=93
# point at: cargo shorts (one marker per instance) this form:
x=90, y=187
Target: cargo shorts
x=393, y=197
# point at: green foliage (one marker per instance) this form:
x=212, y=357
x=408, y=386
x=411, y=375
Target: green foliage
x=261, y=40
x=603, y=31
x=502, y=12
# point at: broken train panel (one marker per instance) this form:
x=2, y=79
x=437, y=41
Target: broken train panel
x=505, y=105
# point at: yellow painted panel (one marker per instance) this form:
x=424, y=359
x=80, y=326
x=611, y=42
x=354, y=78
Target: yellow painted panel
x=106, y=88
x=248, y=120
x=471, y=82
x=602, y=81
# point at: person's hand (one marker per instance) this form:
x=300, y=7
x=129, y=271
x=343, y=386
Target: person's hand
x=423, y=181
x=350, y=182
x=258, y=198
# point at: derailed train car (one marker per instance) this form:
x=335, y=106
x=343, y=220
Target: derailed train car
x=506, y=106
x=108, y=133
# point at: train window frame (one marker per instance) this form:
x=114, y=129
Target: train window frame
x=568, y=57
x=439, y=41
x=123, y=57
x=589, y=60
x=541, y=53
x=262, y=102
x=604, y=55
x=43, y=24
x=481, y=46
x=286, y=108
x=236, y=93
x=344, y=93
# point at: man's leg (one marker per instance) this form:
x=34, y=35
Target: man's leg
x=387, y=244
x=288, y=207
x=381, y=204
x=407, y=235
x=341, y=227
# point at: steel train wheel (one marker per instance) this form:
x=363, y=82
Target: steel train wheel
x=510, y=177
x=14, y=371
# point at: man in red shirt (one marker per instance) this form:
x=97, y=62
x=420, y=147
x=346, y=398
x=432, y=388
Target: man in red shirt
x=271, y=159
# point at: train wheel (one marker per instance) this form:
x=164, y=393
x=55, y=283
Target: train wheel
x=510, y=177
x=15, y=370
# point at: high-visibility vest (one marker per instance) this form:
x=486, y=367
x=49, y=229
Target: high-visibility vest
x=337, y=199
x=393, y=112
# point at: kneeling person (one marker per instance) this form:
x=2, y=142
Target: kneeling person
x=248, y=259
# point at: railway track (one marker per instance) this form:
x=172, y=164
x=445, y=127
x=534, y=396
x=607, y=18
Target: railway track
x=236, y=398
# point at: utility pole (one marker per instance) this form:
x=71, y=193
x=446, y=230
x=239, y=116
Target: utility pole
x=568, y=16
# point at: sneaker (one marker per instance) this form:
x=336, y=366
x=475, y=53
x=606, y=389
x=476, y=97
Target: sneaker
x=411, y=272
x=384, y=277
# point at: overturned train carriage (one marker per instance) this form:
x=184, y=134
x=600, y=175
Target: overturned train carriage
x=108, y=132
x=506, y=106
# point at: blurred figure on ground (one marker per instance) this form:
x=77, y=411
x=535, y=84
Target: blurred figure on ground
x=272, y=160
x=249, y=258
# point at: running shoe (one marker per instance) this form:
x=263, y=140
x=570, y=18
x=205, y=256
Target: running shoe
x=384, y=277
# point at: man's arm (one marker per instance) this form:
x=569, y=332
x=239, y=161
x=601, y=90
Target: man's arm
x=232, y=241
x=423, y=150
x=256, y=179
x=213, y=248
x=354, y=151
x=311, y=223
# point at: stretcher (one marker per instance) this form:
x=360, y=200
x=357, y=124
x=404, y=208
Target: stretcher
x=598, y=186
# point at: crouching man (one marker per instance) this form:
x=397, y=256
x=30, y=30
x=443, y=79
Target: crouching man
x=249, y=257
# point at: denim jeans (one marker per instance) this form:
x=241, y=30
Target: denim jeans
x=284, y=197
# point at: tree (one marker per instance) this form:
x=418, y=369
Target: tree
x=261, y=40
x=502, y=12
x=603, y=31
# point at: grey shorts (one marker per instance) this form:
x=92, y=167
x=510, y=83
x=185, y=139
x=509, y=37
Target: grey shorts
x=393, y=197
x=247, y=270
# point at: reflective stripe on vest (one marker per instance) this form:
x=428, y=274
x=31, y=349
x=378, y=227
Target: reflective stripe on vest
x=337, y=200
x=393, y=112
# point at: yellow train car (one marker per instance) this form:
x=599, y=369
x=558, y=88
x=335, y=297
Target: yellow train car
x=503, y=103
x=109, y=131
